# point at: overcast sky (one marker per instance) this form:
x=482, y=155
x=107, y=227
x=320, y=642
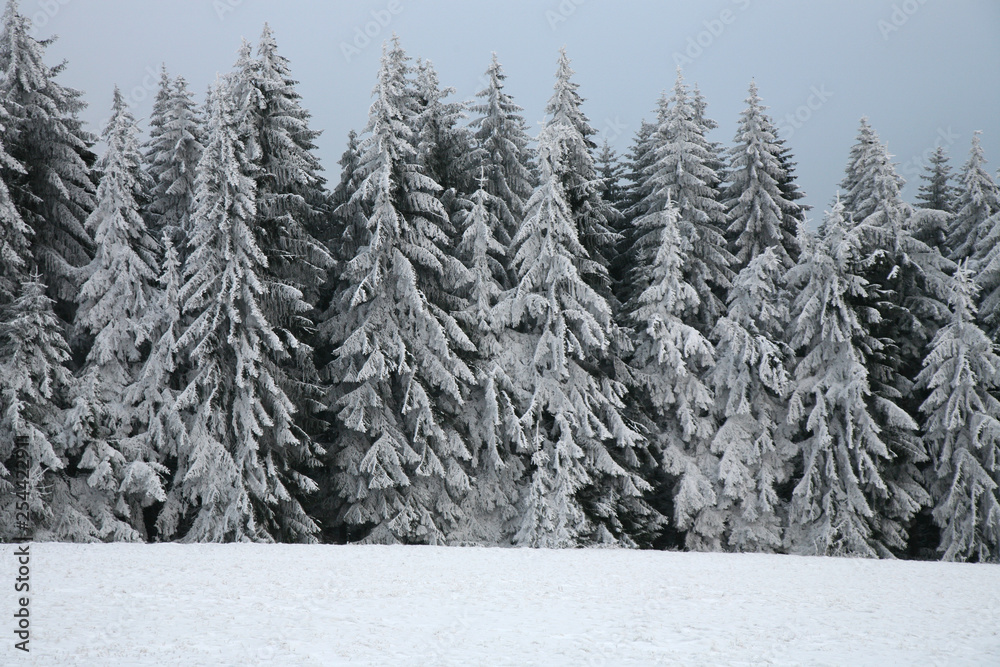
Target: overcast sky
x=923, y=71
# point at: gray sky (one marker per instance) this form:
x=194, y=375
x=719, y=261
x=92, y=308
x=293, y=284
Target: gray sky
x=924, y=71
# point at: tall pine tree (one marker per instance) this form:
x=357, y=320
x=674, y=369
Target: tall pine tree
x=34, y=390
x=978, y=199
x=682, y=170
x=838, y=503
x=240, y=472
x=52, y=190
x=671, y=358
x=396, y=382
x=502, y=148
x=114, y=300
x=171, y=160
x=583, y=485
x=755, y=205
x=751, y=386
x=962, y=429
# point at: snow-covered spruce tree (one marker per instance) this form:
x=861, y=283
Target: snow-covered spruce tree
x=716, y=151
x=988, y=277
x=291, y=201
x=962, y=429
x=346, y=231
x=502, y=148
x=595, y=218
x=632, y=206
x=34, y=387
x=681, y=171
x=610, y=169
x=444, y=145
x=238, y=474
x=756, y=207
x=496, y=437
x=638, y=161
x=171, y=160
x=751, y=385
x=794, y=218
x=839, y=505
x=978, y=199
x=856, y=194
x=935, y=203
x=582, y=488
x=909, y=283
x=52, y=192
x=671, y=357
x=15, y=235
x=122, y=475
x=396, y=382
x=291, y=204
x=936, y=192
x=157, y=423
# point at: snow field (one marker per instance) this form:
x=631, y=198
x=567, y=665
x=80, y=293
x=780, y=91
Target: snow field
x=358, y=605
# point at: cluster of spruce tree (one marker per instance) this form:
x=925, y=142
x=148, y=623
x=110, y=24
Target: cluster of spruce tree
x=480, y=337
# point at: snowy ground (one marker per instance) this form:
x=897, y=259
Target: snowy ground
x=301, y=605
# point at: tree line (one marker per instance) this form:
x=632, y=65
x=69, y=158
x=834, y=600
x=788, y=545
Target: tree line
x=480, y=337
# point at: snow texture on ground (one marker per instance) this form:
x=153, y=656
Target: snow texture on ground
x=327, y=605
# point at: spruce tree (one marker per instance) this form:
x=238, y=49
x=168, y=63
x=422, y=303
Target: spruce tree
x=909, y=284
x=837, y=506
x=632, y=205
x=291, y=204
x=755, y=205
x=583, y=486
x=444, y=145
x=670, y=360
x=157, y=423
x=962, y=429
x=988, y=278
x=34, y=387
x=978, y=199
x=751, y=385
x=595, y=218
x=112, y=310
x=52, y=189
x=610, y=169
x=502, y=149
x=496, y=437
x=240, y=472
x=171, y=160
x=396, y=382
x=936, y=192
x=15, y=235
x=716, y=151
x=682, y=171
x=794, y=218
